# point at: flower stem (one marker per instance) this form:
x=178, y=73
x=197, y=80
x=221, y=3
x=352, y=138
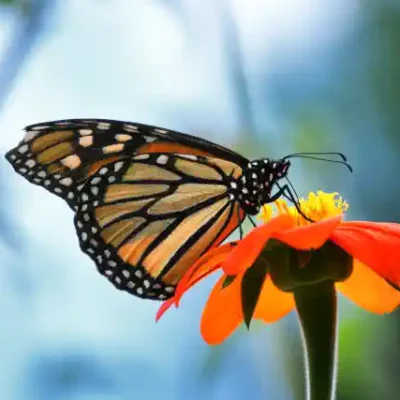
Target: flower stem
x=317, y=309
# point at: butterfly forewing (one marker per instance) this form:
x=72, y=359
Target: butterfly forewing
x=61, y=155
x=145, y=220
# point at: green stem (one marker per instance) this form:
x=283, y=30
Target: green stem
x=317, y=309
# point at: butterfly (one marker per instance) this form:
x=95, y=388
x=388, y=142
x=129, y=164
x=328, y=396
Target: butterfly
x=148, y=201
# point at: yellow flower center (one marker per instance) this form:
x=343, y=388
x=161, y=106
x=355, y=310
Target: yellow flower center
x=317, y=206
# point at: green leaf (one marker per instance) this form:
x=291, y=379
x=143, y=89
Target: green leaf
x=252, y=283
x=228, y=280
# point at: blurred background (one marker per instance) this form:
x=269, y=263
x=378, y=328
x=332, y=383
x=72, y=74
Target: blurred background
x=264, y=77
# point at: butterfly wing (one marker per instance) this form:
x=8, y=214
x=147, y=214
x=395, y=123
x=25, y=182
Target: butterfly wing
x=145, y=220
x=61, y=155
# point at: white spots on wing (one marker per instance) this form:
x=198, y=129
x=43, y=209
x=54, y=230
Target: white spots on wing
x=254, y=175
x=58, y=190
x=93, y=242
x=66, y=181
x=233, y=185
x=149, y=139
x=23, y=149
x=103, y=125
x=23, y=170
x=108, y=272
x=94, y=190
x=84, y=197
x=130, y=128
x=142, y=157
x=170, y=289
x=70, y=195
x=95, y=180
x=231, y=196
x=30, y=135
x=162, y=159
x=146, y=283
x=118, y=166
x=130, y=285
x=79, y=224
x=57, y=176
x=189, y=156
x=126, y=273
x=86, y=141
x=139, y=290
x=118, y=280
x=86, y=217
x=113, y=148
x=40, y=127
x=47, y=182
x=120, y=137
x=84, y=236
x=157, y=130
x=111, y=179
x=138, y=273
x=85, y=132
x=271, y=177
x=103, y=171
x=72, y=161
x=112, y=263
x=41, y=174
x=13, y=156
x=30, y=163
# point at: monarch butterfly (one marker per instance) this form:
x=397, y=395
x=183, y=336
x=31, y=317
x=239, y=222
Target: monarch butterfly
x=148, y=201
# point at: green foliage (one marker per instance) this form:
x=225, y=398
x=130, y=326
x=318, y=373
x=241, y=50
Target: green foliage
x=252, y=284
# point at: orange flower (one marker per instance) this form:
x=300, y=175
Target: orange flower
x=372, y=280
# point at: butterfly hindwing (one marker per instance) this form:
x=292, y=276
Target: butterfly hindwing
x=145, y=220
x=61, y=155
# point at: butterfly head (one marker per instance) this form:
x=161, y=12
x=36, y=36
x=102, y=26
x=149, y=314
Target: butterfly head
x=253, y=188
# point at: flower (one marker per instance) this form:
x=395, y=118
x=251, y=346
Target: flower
x=371, y=278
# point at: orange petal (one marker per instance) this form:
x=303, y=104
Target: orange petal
x=273, y=304
x=376, y=245
x=164, y=307
x=311, y=236
x=250, y=247
x=223, y=311
x=368, y=290
x=203, y=267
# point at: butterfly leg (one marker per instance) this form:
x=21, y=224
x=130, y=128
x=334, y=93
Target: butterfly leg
x=240, y=225
x=287, y=193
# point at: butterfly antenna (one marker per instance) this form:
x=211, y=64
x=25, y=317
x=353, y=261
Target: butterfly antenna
x=325, y=153
x=301, y=155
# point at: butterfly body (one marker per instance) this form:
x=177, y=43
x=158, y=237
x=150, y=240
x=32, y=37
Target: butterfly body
x=148, y=201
